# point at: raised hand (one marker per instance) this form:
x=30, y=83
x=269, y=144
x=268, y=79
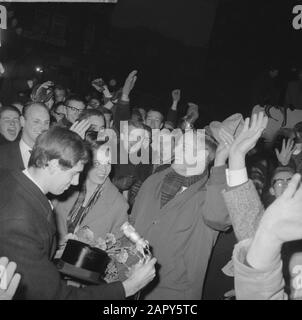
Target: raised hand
x=223, y=149
x=176, y=95
x=140, y=276
x=281, y=222
x=98, y=84
x=47, y=84
x=129, y=83
x=283, y=218
x=9, y=281
x=246, y=140
x=81, y=127
x=286, y=152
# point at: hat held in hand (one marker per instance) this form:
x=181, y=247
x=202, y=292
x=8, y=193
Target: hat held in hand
x=233, y=125
x=42, y=92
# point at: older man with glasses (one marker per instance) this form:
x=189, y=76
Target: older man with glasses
x=74, y=107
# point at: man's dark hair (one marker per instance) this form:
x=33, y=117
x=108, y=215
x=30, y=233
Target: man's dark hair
x=58, y=143
x=9, y=108
x=59, y=87
x=31, y=104
x=156, y=110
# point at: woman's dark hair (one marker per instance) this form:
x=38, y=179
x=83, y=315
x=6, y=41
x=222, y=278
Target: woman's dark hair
x=58, y=143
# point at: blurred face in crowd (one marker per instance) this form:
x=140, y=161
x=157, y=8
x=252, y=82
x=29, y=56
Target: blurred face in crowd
x=63, y=178
x=10, y=125
x=154, y=119
x=74, y=109
x=280, y=182
x=136, y=138
x=35, y=121
x=60, y=95
x=93, y=103
x=191, y=153
x=101, y=166
x=59, y=112
x=108, y=120
x=143, y=113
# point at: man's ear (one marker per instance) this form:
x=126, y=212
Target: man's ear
x=53, y=166
x=22, y=121
x=272, y=191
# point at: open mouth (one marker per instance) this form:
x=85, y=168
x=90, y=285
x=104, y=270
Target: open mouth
x=11, y=132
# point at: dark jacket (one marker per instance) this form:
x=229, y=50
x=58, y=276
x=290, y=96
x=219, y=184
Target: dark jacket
x=10, y=156
x=27, y=236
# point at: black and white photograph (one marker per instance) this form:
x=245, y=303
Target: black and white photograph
x=151, y=150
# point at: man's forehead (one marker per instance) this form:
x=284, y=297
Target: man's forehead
x=154, y=114
x=37, y=110
x=9, y=114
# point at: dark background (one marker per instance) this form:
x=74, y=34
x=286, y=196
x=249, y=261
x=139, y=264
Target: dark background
x=212, y=50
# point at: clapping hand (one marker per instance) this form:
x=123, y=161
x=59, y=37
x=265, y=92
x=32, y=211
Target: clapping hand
x=129, y=83
x=286, y=152
x=9, y=281
x=246, y=140
x=98, y=84
x=223, y=149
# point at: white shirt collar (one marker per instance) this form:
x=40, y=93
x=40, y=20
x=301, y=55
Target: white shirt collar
x=25, y=152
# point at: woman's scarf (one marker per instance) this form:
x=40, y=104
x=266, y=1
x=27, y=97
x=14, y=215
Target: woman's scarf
x=77, y=214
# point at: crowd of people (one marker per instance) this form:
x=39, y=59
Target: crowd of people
x=220, y=206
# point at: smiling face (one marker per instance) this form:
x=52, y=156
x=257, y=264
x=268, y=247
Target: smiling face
x=10, y=125
x=101, y=166
x=154, y=119
x=35, y=121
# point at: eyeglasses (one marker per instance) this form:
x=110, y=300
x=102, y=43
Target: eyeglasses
x=75, y=109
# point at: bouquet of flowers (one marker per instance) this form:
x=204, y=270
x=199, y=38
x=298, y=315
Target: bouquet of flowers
x=125, y=252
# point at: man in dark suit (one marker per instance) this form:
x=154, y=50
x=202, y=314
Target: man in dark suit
x=35, y=120
x=27, y=226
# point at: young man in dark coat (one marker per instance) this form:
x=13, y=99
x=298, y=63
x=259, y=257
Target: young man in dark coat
x=27, y=226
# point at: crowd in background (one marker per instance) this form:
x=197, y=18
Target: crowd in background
x=192, y=218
